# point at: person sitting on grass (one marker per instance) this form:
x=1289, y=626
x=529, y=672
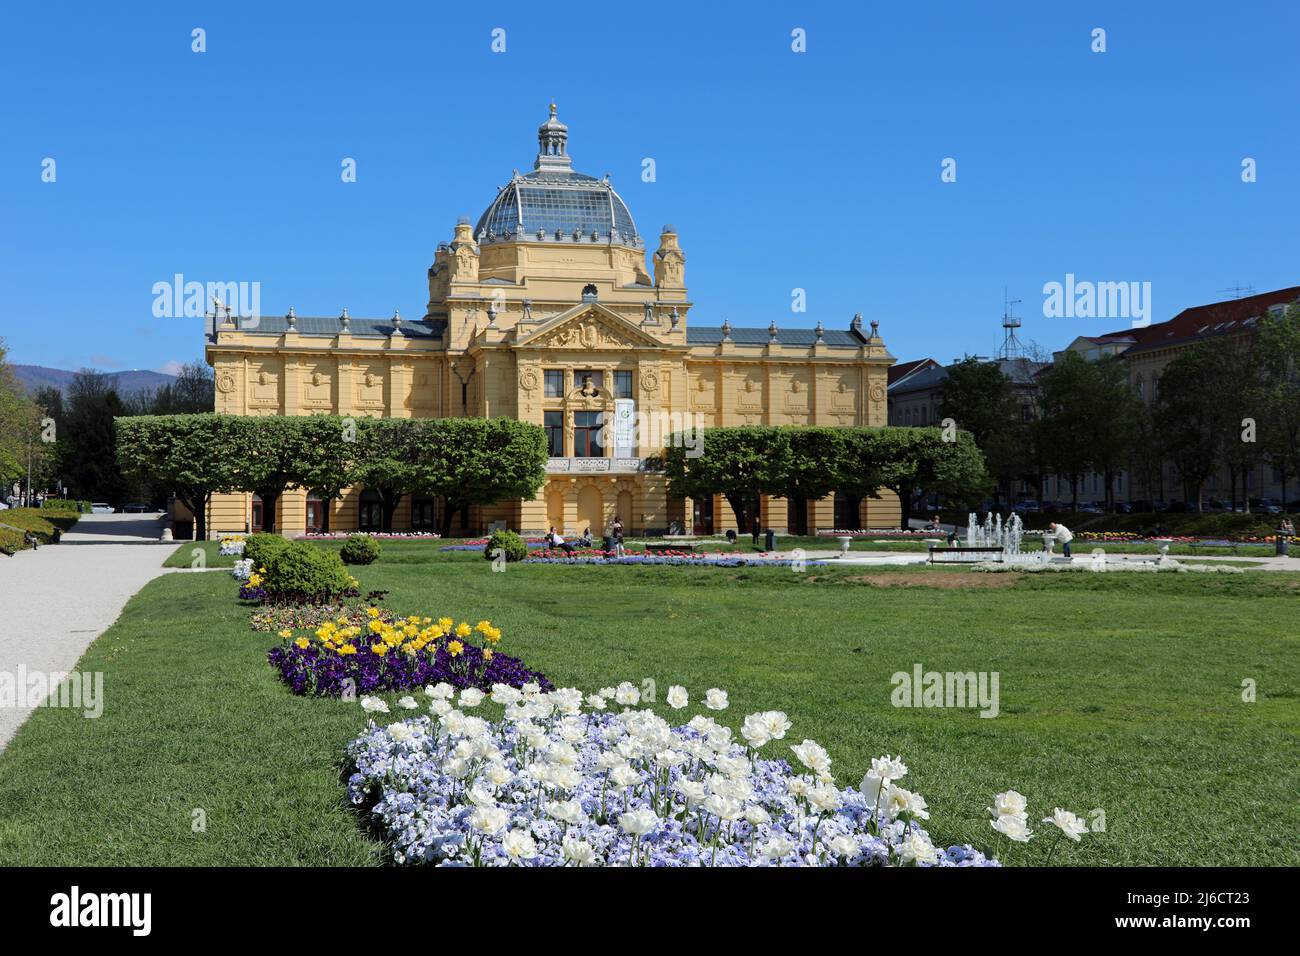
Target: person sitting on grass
x=584, y=539
x=1062, y=534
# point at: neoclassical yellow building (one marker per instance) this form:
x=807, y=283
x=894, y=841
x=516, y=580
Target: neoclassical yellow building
x=545, y=311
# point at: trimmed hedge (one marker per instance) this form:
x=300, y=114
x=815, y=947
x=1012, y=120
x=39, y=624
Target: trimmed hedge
x=66, y=504
x=359, y=549
x=300, y=573
x=509, y=543
x=258, y=548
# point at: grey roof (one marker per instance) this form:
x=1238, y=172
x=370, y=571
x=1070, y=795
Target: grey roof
x=1020, y=371
x=362, y=328
x=833, y=338
x=558, y=206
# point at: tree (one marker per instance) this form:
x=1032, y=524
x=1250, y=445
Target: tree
x=388, y=460
x=479, y=461
x=270, y=454
x=982, y=400
x=739, y=463
x=921, y=460
x=20, y=425
x=1065, y=429
x=1114, y=417
x=1189, y=416
x=811, y=469
x=90, y=407
x=192, y=455
x=1278, y=348
x=330, y=459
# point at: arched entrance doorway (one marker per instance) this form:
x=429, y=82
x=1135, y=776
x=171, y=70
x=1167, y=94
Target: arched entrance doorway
x=555, y=510
x=591, y=509
x=624, y=511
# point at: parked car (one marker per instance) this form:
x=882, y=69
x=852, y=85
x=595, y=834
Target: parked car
x=1028, y=505
x=102, y=508
x=137, y=508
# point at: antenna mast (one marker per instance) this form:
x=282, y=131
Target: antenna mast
x=1012, y=347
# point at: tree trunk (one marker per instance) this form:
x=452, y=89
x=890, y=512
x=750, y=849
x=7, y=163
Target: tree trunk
x=448, y=509
x=269, y=500
x=740, y=508
x=325, y=502
x=904, y=493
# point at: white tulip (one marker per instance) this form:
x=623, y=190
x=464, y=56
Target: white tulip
x=1069, y=824
x=638, y=822
x=677, y=697
x=1013, y=826
x=716, y=699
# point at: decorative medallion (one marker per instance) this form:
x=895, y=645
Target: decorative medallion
x=528, y=380
x=877, y=392
x=226, y=382
x=650, y=382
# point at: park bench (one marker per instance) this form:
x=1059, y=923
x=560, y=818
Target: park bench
x=1197, y=545
x=664, y=548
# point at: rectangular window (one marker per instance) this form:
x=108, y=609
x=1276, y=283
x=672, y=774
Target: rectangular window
x=423, y=515
x=553, y=381
x=553, y=422
x=586, y=435
x=622, y=384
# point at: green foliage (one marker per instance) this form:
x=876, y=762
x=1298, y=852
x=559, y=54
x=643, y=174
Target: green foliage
x=739, y=463
x=66, y=504
x=480, y=461
x=259, y=547
x=194, y=456
x=359, y=549
x=506, y=543
x=300, y=573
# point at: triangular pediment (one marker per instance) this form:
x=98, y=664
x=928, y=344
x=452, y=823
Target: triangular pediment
x=589, y=326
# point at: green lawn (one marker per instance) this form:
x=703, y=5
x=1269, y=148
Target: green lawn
x=1120, y=692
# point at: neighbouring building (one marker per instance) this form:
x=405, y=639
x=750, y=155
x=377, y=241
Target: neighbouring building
x=545, y=310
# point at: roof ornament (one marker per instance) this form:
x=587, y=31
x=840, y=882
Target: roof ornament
x=675, y=317
x=820, y=330
x=726, y=330
x=492, y=316
x=856, y=324
x=875, y=328
x=528, y=310
x=771, y=331
x=291, y=319
x=397, y=319
x=345, y=321
x=552, y=146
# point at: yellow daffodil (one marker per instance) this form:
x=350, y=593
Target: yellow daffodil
x=379, y=649
x=347, y=649
x=487, y=653
x=286, y=633
x=373, y=611
x=303, y=643
x=463, y=629
x=455, y=648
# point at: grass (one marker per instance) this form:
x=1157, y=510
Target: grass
x=1121, y=692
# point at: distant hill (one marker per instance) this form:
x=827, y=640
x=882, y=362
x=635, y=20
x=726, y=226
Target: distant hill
x=129, y=382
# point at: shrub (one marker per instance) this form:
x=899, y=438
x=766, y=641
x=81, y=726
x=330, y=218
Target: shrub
x=259, y=547
x=508, y=543
x=47, y=527
x=359, y=549
x=299, y=573
x=66, y=504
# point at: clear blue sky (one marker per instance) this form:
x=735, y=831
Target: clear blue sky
x=781, y=170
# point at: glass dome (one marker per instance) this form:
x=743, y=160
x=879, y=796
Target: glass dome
x=555, y=204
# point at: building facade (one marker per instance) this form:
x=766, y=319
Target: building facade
x=546, y=311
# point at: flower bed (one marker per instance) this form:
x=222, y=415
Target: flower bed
x=479, y=544
x=560, y=780
x=883, y=533
x=386, y=535
x=345, y=658
x=231, y=544
x=312, y=616
x=715, y=559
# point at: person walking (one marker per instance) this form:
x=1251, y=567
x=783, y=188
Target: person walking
x=1062, y=534
x=617, y=534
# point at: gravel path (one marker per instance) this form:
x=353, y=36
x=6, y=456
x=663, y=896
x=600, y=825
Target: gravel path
x=54, y=601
